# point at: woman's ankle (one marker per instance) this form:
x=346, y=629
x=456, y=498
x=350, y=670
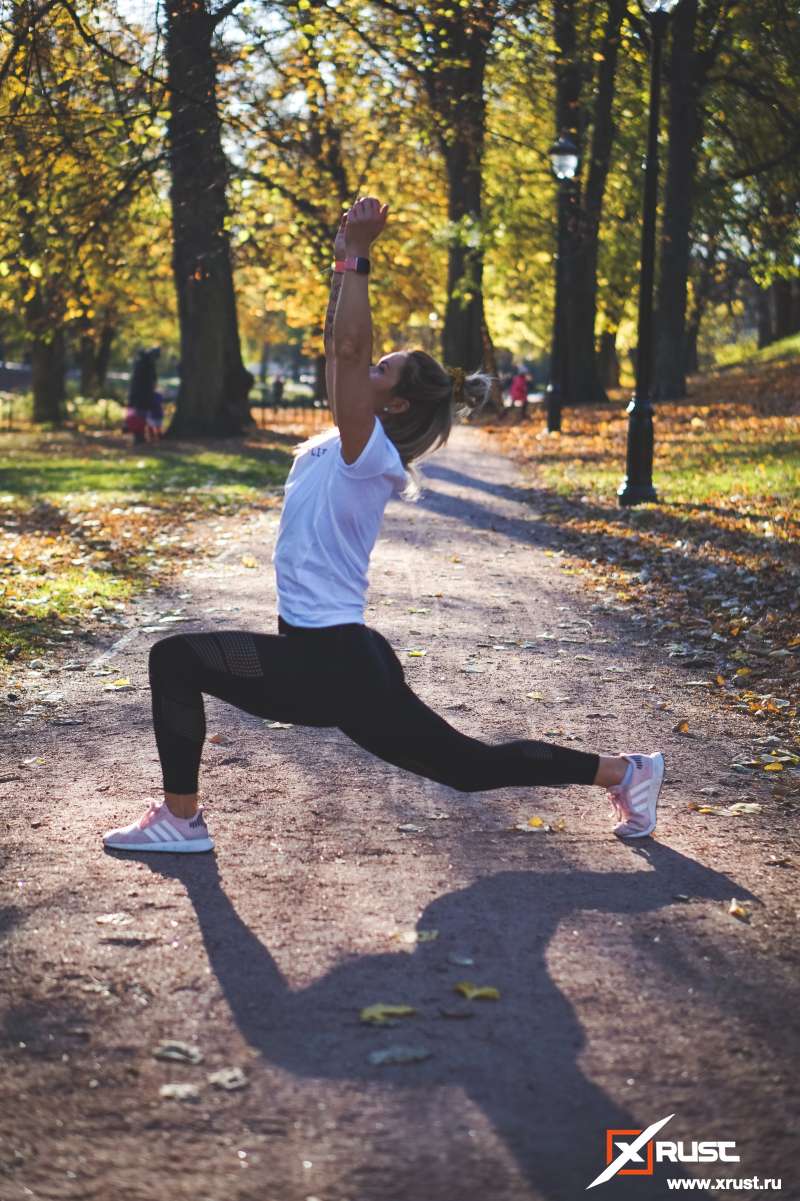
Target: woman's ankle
x=182, y=805
x=610, y=770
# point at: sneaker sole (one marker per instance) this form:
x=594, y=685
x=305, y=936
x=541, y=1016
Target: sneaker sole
x=658, y=780
x=190, y=847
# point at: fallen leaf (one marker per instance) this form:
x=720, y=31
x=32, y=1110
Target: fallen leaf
x=249, y=561
x=417, y=654
x=773, y=767
x=228, y=1078
x=381, y=1014
x=114, y=919
x=179, y=1092
x=122, y=685
x=278, y=725
x=398, y=1054
x=460, y=960
x=536, y=822
x=180, y=1052
x=412, y=937
x=410, y=828
x=534, y=696
x=477, y=992
x=681, y=727
x=737, y=909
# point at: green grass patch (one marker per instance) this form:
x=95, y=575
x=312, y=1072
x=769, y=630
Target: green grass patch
x=86, y=520
x=747, y=352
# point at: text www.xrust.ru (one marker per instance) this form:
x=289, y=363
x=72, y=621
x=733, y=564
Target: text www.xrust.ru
x=724, y=1184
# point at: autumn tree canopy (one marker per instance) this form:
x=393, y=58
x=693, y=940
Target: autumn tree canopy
x=182, y=181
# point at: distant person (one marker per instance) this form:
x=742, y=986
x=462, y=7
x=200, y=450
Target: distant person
x=143, y=401
x=324, y=667
x=277, y=390
x=519, y=389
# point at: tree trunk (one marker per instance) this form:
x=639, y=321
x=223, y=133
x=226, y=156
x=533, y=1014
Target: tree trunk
x=48, y=364
x=93, y=357
x=685, y=127
x=102, y=356
x=795, y=314
x=607, y=360
x=781, y=308
x=584, y=382
x=320, y=391
x=765, y=335
x=462, y=334
x=212, y=398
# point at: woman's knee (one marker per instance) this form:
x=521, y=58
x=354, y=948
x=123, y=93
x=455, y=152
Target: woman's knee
x=168, y=656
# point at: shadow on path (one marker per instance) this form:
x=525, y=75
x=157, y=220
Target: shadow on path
x=517, y=1060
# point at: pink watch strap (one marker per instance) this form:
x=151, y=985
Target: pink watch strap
x=359, y=265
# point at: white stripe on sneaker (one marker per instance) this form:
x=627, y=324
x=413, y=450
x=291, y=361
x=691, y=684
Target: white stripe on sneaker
x=165, y=825
x=160, y=833
x=640, y=790
x=153, y=837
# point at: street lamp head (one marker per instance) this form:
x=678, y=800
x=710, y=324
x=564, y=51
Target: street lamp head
x=653, y=7
x=564, y=157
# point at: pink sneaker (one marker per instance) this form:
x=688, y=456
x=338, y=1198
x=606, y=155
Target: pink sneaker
x=635, y=803
x=160, y=830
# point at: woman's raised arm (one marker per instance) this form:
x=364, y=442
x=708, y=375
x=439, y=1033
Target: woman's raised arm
x=352, y=333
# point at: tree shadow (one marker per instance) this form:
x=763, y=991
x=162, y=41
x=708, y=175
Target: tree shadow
x=517, y=1060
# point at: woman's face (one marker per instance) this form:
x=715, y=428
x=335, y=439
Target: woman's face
x=383, y=377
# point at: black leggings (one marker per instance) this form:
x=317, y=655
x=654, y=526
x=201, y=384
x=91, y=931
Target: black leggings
x=346, y=676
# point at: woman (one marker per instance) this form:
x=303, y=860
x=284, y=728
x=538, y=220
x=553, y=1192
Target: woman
x=325, y=667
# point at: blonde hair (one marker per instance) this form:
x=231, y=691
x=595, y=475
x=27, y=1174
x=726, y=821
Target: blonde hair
x=436, y=395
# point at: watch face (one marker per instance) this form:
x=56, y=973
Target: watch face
x=362, y=266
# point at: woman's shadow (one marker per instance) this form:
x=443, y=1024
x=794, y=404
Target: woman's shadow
x=516, y=1059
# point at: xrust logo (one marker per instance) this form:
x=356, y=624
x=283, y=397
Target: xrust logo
x=635, y=1152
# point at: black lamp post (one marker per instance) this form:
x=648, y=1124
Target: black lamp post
x=565, y=161
x=637, y=487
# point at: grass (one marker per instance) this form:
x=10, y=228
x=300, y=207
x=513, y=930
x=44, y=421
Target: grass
x=87, y=520
x=747, y=352
x=715, y=563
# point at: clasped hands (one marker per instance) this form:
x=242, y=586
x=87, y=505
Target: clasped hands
x=360, y=227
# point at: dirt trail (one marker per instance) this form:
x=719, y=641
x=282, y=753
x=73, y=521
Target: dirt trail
x=627, y=990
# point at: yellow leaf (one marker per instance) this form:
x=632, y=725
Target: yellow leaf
x=381, y=1014
x=773, y=767
x=743, y=671
x=118, y=685
x=534, y=696
x=736, y=909
x=682, y=727
x=249, y=561
x=477, y=992
x=535, y=821
x=35, y=269
x=415, y=654
x=721, y=681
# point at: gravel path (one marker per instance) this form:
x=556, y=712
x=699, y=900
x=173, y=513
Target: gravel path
x=627, y=990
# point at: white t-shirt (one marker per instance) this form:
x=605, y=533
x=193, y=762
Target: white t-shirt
x=332, y=514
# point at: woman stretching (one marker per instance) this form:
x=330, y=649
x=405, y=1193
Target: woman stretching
x=325, y=667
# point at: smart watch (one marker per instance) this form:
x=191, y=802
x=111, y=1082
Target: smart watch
x=359, y=265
